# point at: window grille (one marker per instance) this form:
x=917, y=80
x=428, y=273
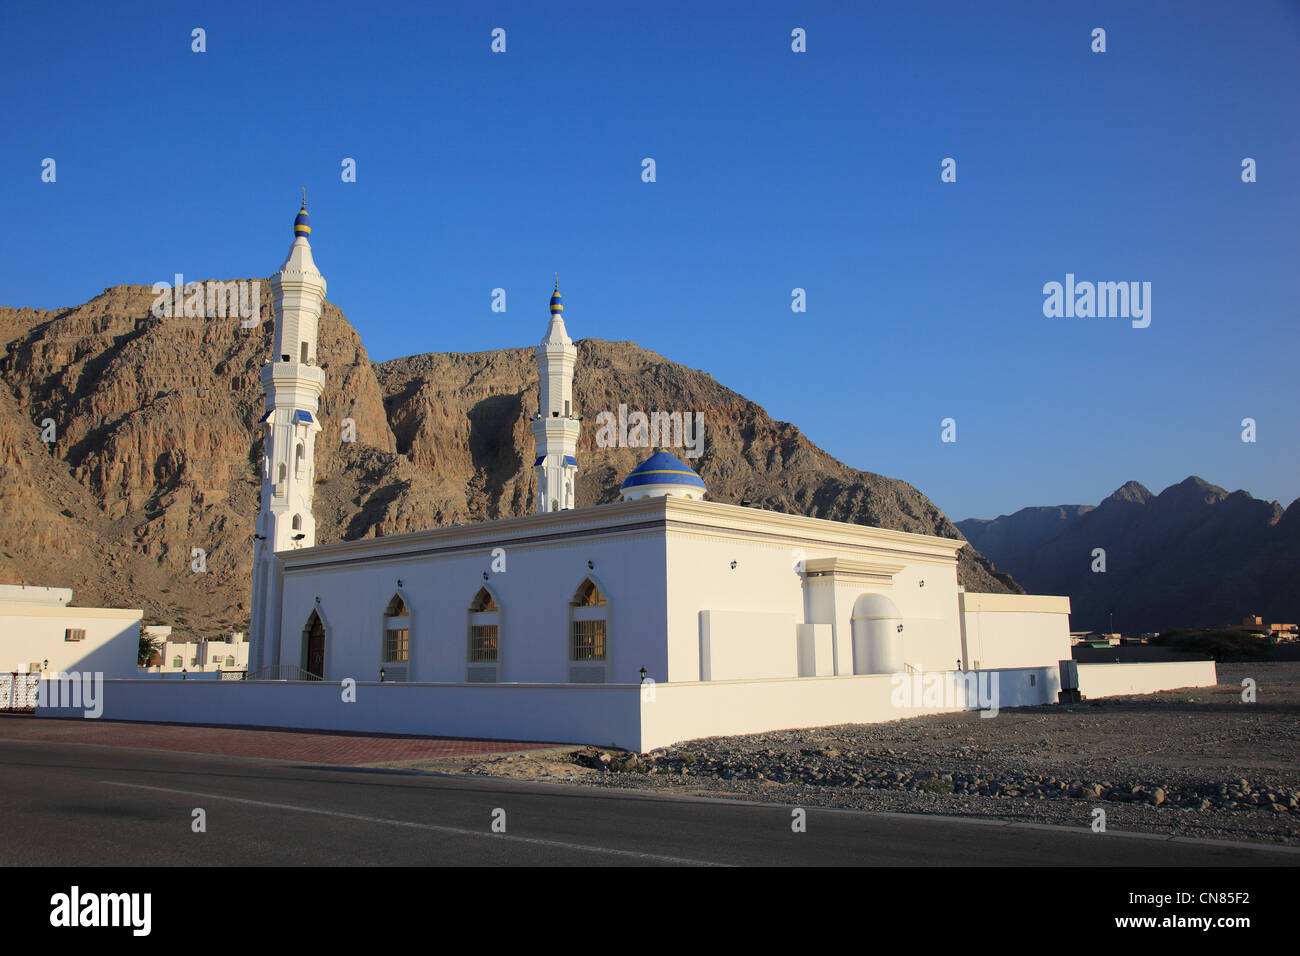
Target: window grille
x=588, y=640
x=482, y=643
x=396, y=644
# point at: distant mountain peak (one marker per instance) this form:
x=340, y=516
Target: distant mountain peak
x=1130, y=491
x=1195, y=555
x=1193, y=488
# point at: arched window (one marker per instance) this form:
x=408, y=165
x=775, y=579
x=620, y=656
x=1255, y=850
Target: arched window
x=397, y=639
x=304, y=353
x=230, y=660
x=281, y=474
x=178, y=662
x=588, y=634
x=299, y=456
x=555, y=505
x=297, y=522
x=484, y=638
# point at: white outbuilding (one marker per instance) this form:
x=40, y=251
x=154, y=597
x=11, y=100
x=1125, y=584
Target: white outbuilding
x=41, y=630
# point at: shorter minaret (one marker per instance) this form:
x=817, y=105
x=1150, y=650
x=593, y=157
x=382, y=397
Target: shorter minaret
x=555, y=429
x=293, y=383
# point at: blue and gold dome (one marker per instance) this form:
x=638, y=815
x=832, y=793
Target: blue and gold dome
x=662, y=468
x=302, y=225
x=557, y=302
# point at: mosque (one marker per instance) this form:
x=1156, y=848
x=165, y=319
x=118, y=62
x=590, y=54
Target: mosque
x=664, y=584
x=661, y=617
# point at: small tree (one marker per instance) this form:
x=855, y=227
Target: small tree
x=149, y=646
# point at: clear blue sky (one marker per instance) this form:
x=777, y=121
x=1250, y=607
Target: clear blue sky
x=775, y=170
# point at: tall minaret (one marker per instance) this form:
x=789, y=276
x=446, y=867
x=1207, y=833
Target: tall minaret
x=555, y=429
x=293, y=383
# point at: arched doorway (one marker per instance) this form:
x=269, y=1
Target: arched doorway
x=313, y=648
x=877, y=635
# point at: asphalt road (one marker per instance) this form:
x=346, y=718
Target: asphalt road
x=81, y=805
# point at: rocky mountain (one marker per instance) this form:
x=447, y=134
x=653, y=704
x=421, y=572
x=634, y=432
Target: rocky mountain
x=1194, y=555
x=1013, y=538
x=154, y=450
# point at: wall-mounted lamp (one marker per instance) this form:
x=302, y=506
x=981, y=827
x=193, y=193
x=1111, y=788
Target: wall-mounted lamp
x=643, y=675
x=485, y=575
x=381, y=675
x=318, y=599
x=922, y=584
x=399, y=582
x=591, y=565
x=259, y=537
x=733, y=565
x=900, y=629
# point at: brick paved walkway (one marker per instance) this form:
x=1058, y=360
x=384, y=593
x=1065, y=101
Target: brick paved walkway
x=312, y=746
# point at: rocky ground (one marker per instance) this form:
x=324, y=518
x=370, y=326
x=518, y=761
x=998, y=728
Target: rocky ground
x=1197, y=762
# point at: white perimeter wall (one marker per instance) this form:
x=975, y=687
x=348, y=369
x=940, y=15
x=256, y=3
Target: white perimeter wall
x=599, y=714
x=1015, y=630
x=686, y=711
x=533, y=593
x=628, y=716
x=1113, y=680
x=31, y=634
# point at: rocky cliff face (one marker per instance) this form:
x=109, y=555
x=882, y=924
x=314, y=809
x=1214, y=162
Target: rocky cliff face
x=1194, y=555
x=157, y=450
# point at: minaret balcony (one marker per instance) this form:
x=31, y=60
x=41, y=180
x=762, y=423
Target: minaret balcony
x=293, y=375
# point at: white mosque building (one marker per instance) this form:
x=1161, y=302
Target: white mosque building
x=661, y=617
x=664, y=584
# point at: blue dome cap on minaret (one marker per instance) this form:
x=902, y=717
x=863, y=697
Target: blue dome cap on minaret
x=661, y=468
x=557, y=301
x=302, y=225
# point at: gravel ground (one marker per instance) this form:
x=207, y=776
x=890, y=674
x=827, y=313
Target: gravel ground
x=1195, y=762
